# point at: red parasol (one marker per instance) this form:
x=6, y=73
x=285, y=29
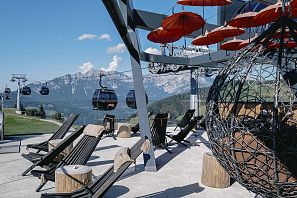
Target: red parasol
x=232, y=45
x=247, y=41
x=162, y=36
x=204, y=2
x=278, y=33
x=206, y=40
x=293, y=8
x=289, y=44
x=183, y=23
x=244, y=20
x=269, y=14
x=226, y=31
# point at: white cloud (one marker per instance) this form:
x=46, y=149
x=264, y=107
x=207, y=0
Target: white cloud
x=119, y=48
x=87, y=36
x=113, y=65
x=106, y=37
x=84, y=68
x=152, y=50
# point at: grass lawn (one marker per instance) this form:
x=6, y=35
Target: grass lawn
x=20, y=125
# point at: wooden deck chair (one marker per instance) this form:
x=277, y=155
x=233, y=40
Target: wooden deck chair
x=158, y=130
x=109, y=124
x=180, y=137
x=136, y=128
x=59, y=134
x=79, y=155
x=48, y=158
x=103, y=184
x=185, y=119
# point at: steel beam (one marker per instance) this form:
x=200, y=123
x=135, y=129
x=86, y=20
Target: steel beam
x=206, y=60
x=149, y=157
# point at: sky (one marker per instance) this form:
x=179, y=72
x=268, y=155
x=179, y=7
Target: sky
x=50, y=38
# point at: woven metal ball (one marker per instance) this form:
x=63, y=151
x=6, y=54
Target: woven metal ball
x=251, y=120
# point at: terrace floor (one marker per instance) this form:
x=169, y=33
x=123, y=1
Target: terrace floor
x=178, y=173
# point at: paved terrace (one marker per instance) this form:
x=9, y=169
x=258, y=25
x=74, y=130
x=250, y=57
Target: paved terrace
x=178, y=173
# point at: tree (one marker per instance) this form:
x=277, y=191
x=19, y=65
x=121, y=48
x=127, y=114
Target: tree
x=57, y=116
x=41, y=112
x=31, y=112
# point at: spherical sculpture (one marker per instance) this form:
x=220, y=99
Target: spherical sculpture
x=251, y=116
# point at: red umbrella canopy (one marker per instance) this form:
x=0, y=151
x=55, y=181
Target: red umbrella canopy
x=183, y=23
x=244, y=20
x=226, y=31
x=289, y=44
x=278, y=33
x=293, y=8
x=247, y=41
x=206, y=40
x=269, y=14
x=162, y=36
x=204, y=2
x=232, y=45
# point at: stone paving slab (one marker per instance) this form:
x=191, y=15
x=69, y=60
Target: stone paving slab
x=178, y=173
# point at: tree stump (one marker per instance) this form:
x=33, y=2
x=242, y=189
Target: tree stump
x=72, y=177
x=124, y=130
x=53, y=143
x=213, y=174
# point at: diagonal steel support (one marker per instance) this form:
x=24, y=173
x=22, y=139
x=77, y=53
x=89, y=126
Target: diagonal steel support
x=122, y=18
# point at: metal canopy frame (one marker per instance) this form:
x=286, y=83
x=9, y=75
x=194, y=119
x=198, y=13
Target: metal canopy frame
x=126, y=20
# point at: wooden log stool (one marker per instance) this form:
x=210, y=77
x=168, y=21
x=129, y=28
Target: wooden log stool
x=72, y=177
x=53, y=143
x=124, y=130
x=213, y=174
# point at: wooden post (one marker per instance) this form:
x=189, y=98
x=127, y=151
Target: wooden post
x=53, y=143
x=72, y=177
x=124, y=130
x=213, y=174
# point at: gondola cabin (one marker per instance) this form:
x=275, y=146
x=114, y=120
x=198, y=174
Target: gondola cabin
x=26, y=91
x=104, y=99
x=131, y=99
x=7, y=90
x=44, y=91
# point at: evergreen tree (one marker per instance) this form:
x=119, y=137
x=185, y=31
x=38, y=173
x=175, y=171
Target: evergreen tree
x=41, y=112
x=57, y=116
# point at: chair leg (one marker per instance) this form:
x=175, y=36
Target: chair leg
x=42, y=183
x=169, y=142
x=183, y=144
x=165, y=147
x=28, y=170
x=186, y=141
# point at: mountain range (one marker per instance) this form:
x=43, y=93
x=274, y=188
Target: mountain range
x=73, y=92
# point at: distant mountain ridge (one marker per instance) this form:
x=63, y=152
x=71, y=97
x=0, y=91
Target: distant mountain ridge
x=73, y=92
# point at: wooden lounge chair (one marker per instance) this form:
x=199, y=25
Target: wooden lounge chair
x=136, y=128
x=47, y=159
x=59, y=134
x=79, y=155
x=180, y=137
x=102, y=185
x=185, y=119
x=109, y=124
x=158, y=130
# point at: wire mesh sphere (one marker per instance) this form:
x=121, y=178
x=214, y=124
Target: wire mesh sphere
x=252, y=122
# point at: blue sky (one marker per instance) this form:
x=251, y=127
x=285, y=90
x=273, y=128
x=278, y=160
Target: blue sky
x=41, y=38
